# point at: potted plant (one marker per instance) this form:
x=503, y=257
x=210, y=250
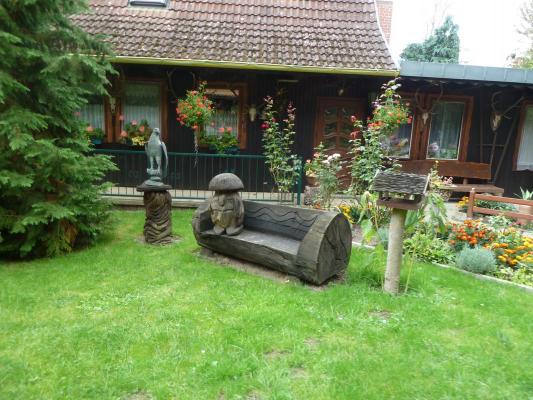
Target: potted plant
x=224, y=142
x=136, y=133
x=195, y=111
x=95, y=135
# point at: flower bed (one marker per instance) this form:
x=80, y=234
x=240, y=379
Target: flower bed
x=512, y=249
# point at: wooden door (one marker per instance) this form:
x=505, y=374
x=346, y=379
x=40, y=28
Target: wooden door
x=333, y=128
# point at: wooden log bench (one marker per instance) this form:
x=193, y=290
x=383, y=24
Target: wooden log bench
x=311, y=244
x=458, y=169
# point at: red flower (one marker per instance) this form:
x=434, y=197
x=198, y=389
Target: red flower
x=353, y=118
x=264, y=126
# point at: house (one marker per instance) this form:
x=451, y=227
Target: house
x=328, y=57
x=477, y=121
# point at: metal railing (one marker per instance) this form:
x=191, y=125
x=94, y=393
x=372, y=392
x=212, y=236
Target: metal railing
x=189, y=175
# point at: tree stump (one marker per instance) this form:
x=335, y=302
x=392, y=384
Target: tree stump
x=158, y=224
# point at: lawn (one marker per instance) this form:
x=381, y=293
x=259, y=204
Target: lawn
x=125, y=320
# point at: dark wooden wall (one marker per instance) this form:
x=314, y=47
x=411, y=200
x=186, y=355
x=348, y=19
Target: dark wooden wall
x=303, y=93
x=482, y=93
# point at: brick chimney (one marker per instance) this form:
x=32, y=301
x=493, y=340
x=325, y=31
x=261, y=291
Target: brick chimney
x=384, y=9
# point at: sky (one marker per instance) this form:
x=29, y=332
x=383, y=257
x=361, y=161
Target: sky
x=487, y=28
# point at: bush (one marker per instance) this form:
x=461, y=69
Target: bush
x=477, y=260
x=428, y=247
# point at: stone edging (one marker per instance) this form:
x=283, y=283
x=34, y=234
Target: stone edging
x=477, y=276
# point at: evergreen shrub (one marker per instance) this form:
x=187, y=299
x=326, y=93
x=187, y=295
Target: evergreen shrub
x=49, y=179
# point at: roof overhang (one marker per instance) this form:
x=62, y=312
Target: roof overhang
x=253, y=66
x=466, y=73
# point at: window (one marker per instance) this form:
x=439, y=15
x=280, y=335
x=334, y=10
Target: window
x=445, y=130
x=142, y=101
x=228, y=102
x=524, y=157
x=148, y=3
x=93, y=113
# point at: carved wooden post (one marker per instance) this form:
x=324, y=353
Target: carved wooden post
x=395, y=249
x=409, y=191
x=158, y=222
x=156, y=198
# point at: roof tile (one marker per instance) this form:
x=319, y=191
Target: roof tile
x=308, y=33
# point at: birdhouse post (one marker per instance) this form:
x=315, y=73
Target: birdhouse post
x=401, y=192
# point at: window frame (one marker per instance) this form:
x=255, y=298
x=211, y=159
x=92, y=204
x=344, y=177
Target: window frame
x=113, y=129
x=466, y=124
x=148, y=3
x=242, y=134
x=521, y=124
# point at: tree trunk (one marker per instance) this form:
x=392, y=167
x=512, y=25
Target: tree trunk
x=394, y=257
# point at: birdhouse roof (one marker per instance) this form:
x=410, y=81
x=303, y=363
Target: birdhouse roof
x=400, y=182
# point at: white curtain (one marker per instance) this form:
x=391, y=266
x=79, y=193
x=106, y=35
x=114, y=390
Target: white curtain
x=445, y=130
x=93, y=114
x=142, y=101
x=223, y=119
x=525, y=152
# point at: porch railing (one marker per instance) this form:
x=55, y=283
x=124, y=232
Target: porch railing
x=189, y=175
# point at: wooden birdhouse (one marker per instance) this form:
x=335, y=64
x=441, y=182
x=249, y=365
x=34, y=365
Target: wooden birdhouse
x=400, y=189
x=401, y=192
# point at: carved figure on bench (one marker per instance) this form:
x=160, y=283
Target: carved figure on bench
x=226, y=207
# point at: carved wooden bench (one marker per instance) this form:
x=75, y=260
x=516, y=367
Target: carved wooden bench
x=310, y=244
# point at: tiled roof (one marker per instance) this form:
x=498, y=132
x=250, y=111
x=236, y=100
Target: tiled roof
x=320, y=34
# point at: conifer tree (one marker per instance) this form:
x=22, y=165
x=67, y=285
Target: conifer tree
x=442, y=46
x=49, y=178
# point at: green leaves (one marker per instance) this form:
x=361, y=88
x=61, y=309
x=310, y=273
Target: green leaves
x=284, y=166
x=442, y=46
x=49, y=180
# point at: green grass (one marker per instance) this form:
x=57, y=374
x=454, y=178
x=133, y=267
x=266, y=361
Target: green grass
x=122, y=318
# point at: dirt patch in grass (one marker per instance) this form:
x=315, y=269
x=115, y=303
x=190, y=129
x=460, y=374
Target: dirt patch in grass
x=245, y=266
x=256, y=269
x=139, y=395
x=312, y=343
x=299, y=373
x=381, y=314
x=274, y=354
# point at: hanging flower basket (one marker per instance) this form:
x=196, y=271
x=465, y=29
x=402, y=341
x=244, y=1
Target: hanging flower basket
x=195, y=110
